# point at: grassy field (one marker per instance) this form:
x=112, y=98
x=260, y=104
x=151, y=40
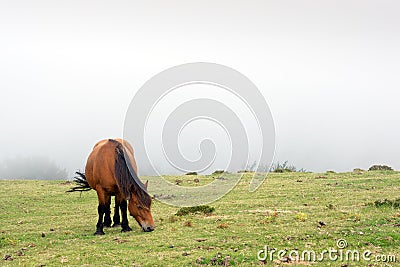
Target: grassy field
x=41, y=225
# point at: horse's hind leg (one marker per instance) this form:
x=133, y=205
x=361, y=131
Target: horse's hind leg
x=116, y=218
x=99, y=226
x=125, y=223
x=107, y=214
x=101, y=209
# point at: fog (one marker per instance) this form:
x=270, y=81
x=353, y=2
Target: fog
x=329, y=71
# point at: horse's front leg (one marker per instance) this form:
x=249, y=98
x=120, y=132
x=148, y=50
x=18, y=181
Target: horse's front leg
x=125, y=223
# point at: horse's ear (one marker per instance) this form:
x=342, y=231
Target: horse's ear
x=146, y=184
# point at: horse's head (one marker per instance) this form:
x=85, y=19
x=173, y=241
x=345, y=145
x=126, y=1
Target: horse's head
x=139, y=207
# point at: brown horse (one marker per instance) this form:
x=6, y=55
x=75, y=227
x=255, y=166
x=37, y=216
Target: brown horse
x=111, y=170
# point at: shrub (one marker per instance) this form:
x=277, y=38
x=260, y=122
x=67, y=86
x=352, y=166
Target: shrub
x=284, y=167
x=387, y=203
x=244, y=171
x=275, y=167
x=380, y=168
x=218, y=172
x=196, y=209
x=191, y=173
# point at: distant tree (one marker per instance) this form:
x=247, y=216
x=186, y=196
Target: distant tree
x=40, y=168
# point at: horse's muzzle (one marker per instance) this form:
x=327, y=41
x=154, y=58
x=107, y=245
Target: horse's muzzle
x=147, y=228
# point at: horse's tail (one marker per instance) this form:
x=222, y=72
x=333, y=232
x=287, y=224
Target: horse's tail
x=81, y=183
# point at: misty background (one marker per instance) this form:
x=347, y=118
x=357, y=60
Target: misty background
x=329, y=71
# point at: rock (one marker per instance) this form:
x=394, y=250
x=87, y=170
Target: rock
x=7, y=257
x=19, y=253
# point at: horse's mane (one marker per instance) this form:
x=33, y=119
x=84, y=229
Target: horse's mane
x=127, y=178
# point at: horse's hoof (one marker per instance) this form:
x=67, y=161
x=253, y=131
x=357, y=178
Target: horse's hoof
x=99, y=233
x=126, y=229
x=116, y=225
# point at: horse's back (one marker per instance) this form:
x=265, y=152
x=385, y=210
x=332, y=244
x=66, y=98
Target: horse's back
x=100, y=165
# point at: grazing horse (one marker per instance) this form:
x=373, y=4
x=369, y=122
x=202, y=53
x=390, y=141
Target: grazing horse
x=111, y=170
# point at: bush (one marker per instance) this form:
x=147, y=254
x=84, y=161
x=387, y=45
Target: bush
x=218, y=172
x=380, y=168
x=284, y=167
x=191, y=173
x=387, y=203
x=196, y=209
x=275, y=167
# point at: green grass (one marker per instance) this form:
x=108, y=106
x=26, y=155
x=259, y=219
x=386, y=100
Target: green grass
x=284, y=213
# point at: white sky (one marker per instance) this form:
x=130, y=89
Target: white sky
x=328, y=69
